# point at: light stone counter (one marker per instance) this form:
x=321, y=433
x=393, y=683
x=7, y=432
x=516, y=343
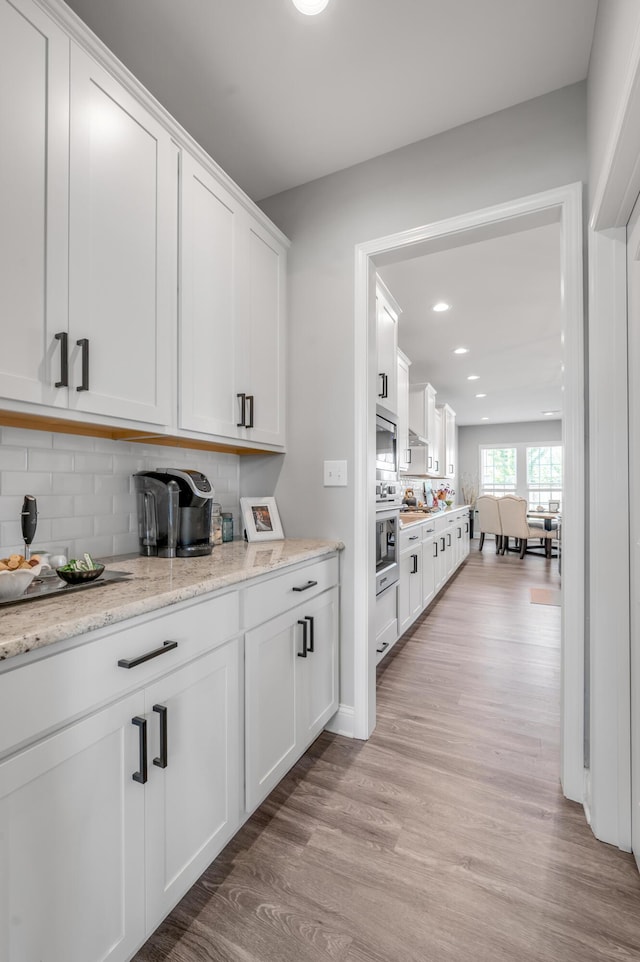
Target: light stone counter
x=155, y=583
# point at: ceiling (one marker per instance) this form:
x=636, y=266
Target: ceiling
x=279, y=99
x=505, y=308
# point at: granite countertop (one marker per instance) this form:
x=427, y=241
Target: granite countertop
x=155, y=583
x=418, y=516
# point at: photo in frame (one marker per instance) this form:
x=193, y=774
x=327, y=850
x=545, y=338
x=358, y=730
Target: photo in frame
x=554, y=506
x=261, y=519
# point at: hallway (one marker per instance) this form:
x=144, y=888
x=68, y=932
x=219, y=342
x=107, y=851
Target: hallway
x=445, y=836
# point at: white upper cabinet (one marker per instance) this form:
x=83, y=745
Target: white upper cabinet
x=209, y=254
x=387, y=314
x=404, y=453
x=122, y=270
x=34, y=120
x=232, y=316
x=448, y=446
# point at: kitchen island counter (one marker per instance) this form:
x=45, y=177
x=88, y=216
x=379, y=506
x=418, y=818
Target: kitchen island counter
x=155, y=583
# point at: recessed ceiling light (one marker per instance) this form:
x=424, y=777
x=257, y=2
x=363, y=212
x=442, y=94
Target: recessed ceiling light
x=481, y=395
x=484, y=419
x=441, y=306
x=461, y=350
x=310, y=7
x=473, y=377
x=550, y=414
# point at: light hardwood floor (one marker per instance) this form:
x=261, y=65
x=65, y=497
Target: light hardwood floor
x=445, y=836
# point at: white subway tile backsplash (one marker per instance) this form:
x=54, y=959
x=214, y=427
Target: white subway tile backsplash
x=13, y=459
x=85, y=491
x=66, y=483
x=92, y=463
x=111, y=484
x=46, y=459
x=22, y=482
x=70, y=529
x=20, y=437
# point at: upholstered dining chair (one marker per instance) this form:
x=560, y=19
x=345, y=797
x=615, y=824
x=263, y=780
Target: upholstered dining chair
x=514, y=524
x=489, y=519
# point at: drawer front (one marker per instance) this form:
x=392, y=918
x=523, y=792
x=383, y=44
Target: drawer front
x=284, y=591
x=411, y=536
x=47, y=694
x=428, y=530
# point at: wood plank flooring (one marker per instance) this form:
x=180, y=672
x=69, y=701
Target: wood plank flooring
x=445, y=837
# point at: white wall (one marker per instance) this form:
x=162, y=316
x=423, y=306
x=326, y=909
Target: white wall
x=84, y=488
x=529, y=148
x=616, y=33
x=470, y=438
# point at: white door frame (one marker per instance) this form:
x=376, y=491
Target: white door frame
x=614, y=196
x=563, y=205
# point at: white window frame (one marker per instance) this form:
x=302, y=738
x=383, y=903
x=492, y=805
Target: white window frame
x=522, y=486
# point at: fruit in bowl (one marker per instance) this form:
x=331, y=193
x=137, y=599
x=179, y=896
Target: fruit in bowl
x=16, y=574
x=77, y=572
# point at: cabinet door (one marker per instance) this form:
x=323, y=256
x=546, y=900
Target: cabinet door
x=409, y=588
x=387, y=342
x=34, y=119
x=260, y=357
x=404, y=454
x=192, y=804
x=441, y=560
x=271, y=721
x=449, y=454
x=122, y=254
x=318, y=672
x=211, y=233
x=428, y=571
x=72, y=843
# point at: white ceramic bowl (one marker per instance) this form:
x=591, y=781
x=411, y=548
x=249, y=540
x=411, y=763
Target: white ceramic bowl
x=15, y=583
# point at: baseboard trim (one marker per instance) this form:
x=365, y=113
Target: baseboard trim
x=343, y=722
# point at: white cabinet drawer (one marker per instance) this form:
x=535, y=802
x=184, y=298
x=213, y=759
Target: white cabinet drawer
x=46, y=694
x=410, y=536
x=284, y=591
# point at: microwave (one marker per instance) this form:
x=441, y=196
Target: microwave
x=386, y=449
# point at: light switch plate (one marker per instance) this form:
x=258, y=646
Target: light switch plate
x=335, y=474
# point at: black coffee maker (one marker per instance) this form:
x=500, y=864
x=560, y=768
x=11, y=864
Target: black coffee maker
x=174, y=513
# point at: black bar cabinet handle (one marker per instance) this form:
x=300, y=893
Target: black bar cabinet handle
x=134, y=662
x=309, y=584
x=83, y=343
x=243, y=400
x=385, y=645
x=408, y=455
x=443, y=544
x=435, y=545
x=303, y=653
x=385, y=385
x=161, y=761
x=430, y=462
x=414, y=570
x=141, y=776
x=449, y=538
x=250, y=403
x=459, y=533
x=63, y=337
x=466, y=526
x=309, y=618
x=414, y=537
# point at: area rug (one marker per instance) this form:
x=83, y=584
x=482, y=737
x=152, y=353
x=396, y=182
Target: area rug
x=545, y=596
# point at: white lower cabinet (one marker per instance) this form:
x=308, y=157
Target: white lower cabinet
x=428, y=569
x=192, y=796
x=291, y=672
x=410, y=586
x=73, y=843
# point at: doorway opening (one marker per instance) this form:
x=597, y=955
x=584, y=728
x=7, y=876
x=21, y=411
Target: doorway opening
x=561, y=206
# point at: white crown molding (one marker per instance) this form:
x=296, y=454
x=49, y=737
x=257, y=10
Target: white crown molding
x=80, y=33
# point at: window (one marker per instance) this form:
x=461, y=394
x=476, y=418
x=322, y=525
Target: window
x=498, y=473
x=544, y=475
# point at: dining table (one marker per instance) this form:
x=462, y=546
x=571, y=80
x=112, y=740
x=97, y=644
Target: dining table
x=547, y=516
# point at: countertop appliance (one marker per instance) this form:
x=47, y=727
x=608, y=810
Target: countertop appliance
x=387, y=567
x=174, y=513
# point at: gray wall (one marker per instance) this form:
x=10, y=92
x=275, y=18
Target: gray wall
x=529, y=148
x=470, y=438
